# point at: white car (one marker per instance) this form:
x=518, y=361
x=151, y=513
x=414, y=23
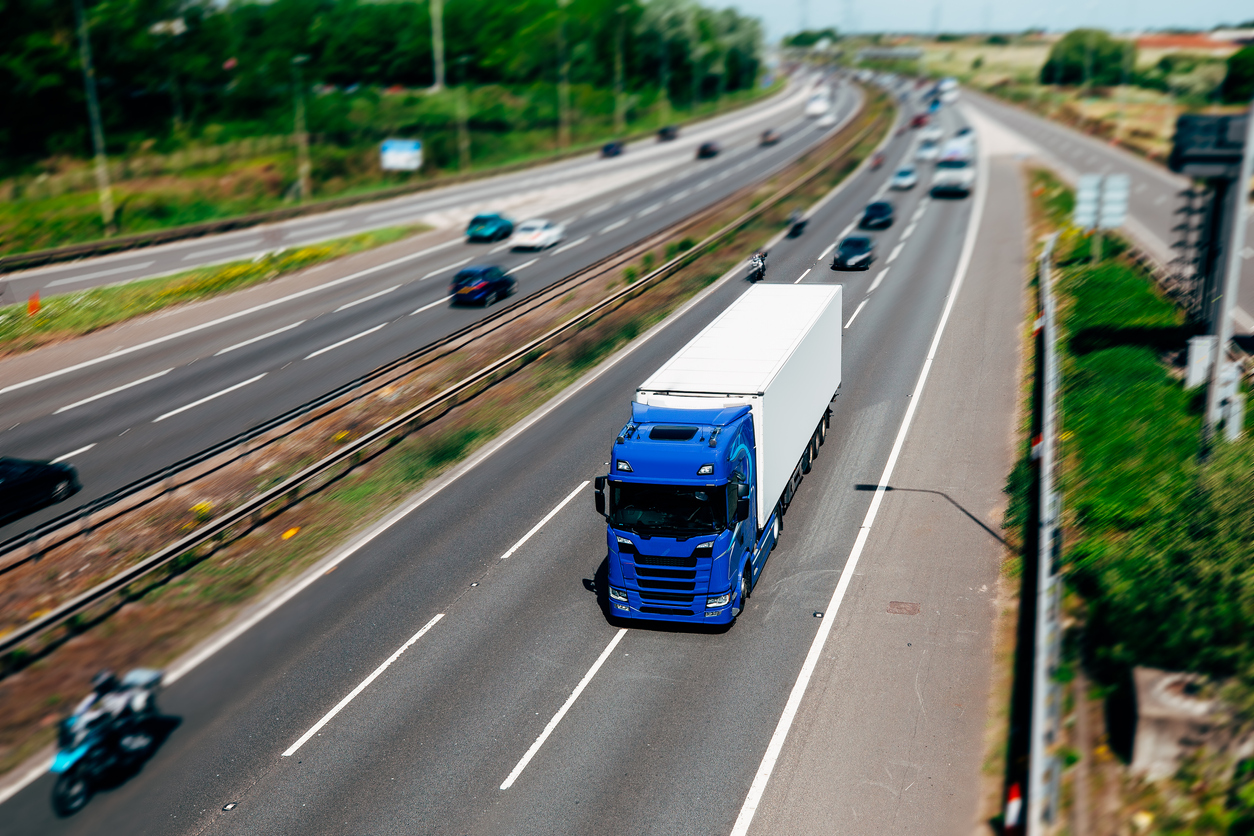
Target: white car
x=905, y=178
x=827, y=120
x=929, y=152
x=932, y=133
x=820, y=103
x=536, y=234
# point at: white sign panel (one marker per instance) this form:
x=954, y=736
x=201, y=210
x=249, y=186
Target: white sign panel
x=401, y=154
x=1114, y=201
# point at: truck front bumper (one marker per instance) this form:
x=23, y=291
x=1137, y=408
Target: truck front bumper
x=653, y=608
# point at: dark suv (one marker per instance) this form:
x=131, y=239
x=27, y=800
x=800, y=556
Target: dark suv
x=877, y=215
x=481, y=285
x=27, y=486
x=854, y=253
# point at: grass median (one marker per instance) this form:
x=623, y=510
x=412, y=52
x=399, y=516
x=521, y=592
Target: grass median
x=160, y=618
x=69, y=315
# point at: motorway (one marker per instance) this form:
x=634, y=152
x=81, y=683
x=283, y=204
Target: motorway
x=128, y=401
x=448, y=206
x=457, y=672
x=1154, y=196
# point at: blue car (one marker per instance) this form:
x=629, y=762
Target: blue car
x=480, y=285
x=489, y=228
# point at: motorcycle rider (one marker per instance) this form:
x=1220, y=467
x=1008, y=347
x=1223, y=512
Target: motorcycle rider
x=758, y=266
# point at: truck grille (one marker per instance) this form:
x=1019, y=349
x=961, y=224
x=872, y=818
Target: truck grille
x=652, y=584
x=664, y=611
x=678, y=574
x=665, y=596
x=650, y=560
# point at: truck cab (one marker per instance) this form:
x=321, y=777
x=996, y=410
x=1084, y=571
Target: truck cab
x=683, y=533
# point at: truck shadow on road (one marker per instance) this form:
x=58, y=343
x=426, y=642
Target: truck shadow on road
x=599, y=585
x=861, y=486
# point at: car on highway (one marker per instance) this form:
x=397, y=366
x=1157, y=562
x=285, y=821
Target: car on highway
x=820, y=102
x=928, y=152
x=769, y=137
x=963, y=131
x=27, y=486
x=854, y=253
x=481, y=284
x=904, y=179
x=612, y=149
x=918, y=120
x=876, y=215
x=537, y=234
x=827, y=120
x=708, y=150
x=489, y=228
x=932, y=133
x=667, y=132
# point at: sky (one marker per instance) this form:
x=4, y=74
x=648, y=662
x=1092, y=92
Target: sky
x=784, y=16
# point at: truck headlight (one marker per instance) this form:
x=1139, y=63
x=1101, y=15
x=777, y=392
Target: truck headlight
x=625, y=546
x=719, y=600
x=618, y=594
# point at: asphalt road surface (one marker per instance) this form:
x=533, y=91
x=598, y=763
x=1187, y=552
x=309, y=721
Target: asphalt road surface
x=499, y=699
x=1154, y=195
x=128, y=401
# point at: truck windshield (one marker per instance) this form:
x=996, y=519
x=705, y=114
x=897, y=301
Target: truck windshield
x=667, y=510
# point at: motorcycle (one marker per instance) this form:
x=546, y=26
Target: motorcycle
x=877, y=161
x=757, y=269
x=95, y=743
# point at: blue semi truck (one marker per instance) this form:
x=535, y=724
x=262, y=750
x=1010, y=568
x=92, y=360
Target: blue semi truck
x=719, y=440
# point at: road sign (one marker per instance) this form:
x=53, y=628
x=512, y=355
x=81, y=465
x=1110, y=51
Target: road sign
x=1087, y=198
x=401, y=154
x=1114, y=210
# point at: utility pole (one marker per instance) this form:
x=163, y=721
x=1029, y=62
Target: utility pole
x=563, y=79
x=302, y=135
x=97, y=130
x=620, y=99
x=437, y=43
x=463, y=117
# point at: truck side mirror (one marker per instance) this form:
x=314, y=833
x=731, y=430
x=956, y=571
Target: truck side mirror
x=742, y=503
x=598, y=495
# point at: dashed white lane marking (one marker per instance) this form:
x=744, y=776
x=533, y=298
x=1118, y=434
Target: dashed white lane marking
x=522, y=266
x=446, y=268
x=500, y=248
x=561, y=712
x=857, y=311
x=678, y=196
x=570, y=246
x=100, y=274
x=80, y=451
x=614, y=226
x=326, y=718
x=112, y=391
x=896, y=252
x=431, y=305
x=803, y=275
x=909, y=230
x=597, y=210
x=315, y=230
x=632, y=195
x=704, y=183
x=522, y=540
x=363, y=299
x=918, y=213
x=847, y=229
x=195, y=404
x=648, y=210
x=259, y=339
x=225, y=248
x=334, y=346
x=879, y=278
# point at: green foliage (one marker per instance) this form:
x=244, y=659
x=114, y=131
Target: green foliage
x=1089, y=56
x=810, y=37
x=1238, y=87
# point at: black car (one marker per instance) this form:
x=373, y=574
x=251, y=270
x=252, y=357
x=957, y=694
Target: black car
x=854, y=253
x=667, y=132
x=480, y=285
x=27, y=486
x=877, y=215
x=707, y=150
x=611, y=149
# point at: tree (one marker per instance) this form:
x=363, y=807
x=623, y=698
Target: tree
x=1089, y=56
x=810, y=37
x=1238, y=86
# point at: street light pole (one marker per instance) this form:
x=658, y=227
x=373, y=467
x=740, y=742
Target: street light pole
x=620, y=104
x=97, y=130
x=302, y=136
x=437, y=42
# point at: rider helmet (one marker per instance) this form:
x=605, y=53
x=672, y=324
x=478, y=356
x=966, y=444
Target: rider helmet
x=104, y=682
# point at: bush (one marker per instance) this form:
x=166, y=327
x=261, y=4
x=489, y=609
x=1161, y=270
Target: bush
x=1089, y=55
x=1238, y=86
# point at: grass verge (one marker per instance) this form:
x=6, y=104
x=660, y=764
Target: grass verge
x=160, y=619
x=75, y=314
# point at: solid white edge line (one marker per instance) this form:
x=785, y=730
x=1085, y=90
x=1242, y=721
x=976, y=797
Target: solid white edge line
x=73, y=453
x=228, y=318
x=326, y=718
x=879, y=278
x=569, y=246
x=333, y=346
x=208, y=398
x=363, y=299
x=260, y=338
x=803, y=275
x=225, y=248
x=775, y=747
x=29, y=777
x=99, y=274
x=112, y=391
x=542, y=522
x=522, y=266
x=431, y=305
x=857, y=311
x=561, y=712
